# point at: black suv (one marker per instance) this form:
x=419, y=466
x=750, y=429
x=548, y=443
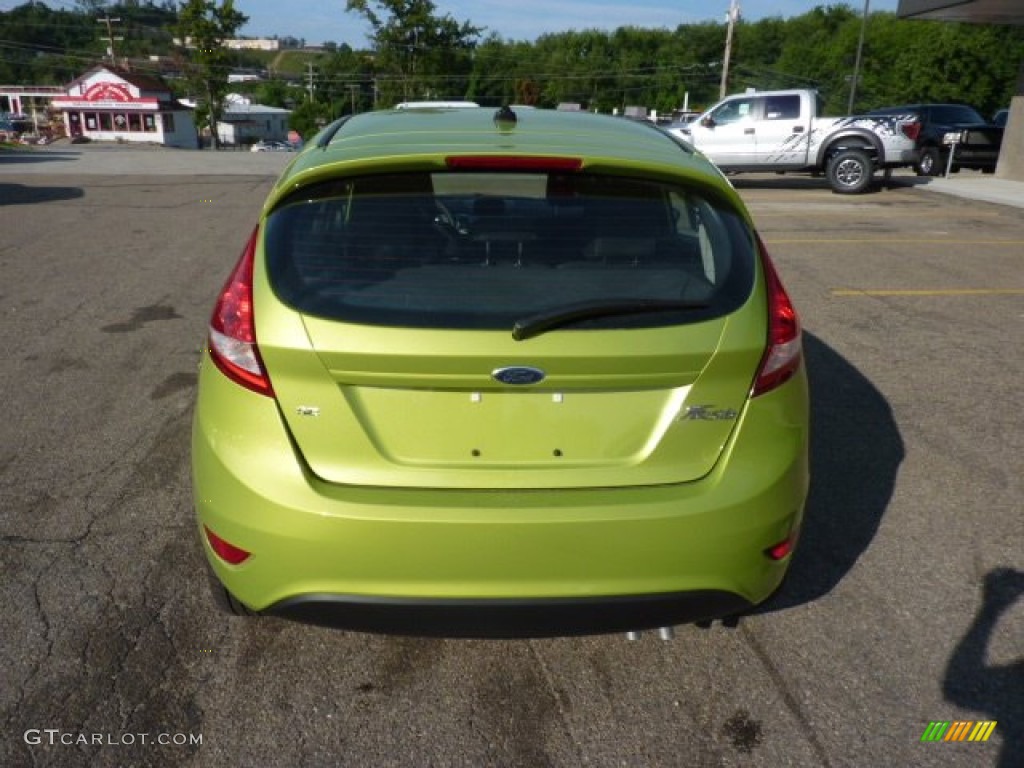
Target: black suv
x=977, y=141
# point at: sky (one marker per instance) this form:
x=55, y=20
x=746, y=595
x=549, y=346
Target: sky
x=318, y=21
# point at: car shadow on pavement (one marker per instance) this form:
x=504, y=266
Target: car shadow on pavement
x=856, y=452
x=19, y=156
x=742, y=181
x=19, y=194
x=796, y=182
x=996, y=690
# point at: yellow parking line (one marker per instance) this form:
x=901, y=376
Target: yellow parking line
x=761, y=212
x=769, y=240
x=933, y=292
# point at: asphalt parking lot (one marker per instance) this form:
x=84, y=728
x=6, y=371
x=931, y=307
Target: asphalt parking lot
x=904, y=604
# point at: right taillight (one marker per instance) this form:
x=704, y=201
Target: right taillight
x=782, y=357
x=233, y=328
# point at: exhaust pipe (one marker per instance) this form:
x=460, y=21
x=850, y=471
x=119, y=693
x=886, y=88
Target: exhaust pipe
x=664, y=633
x=727, y=621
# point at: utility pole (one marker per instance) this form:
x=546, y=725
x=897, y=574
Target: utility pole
x=856, y=63
x=731, y=17
x=110, y=38
x=309, y=79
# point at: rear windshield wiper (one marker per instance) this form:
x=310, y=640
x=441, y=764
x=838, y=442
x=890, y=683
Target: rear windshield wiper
x=534, y=325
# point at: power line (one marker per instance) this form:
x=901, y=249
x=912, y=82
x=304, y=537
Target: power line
x=110, y=38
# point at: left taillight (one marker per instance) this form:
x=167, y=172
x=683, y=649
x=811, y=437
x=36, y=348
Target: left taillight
x=232, y=343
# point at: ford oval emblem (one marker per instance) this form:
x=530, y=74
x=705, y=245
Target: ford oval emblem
x=518, y=375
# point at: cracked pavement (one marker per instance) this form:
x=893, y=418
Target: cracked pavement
x=903, y=606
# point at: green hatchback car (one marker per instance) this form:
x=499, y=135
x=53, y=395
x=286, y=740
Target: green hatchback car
x=504, y=373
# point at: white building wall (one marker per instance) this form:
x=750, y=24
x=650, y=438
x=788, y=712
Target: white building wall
x=256, y=44
x=253, y=122
x=184, y=133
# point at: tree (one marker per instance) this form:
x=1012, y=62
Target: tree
x=345, y=81
x=202, y=27
x=35, y=39
x=419, y=55
x=309, y=117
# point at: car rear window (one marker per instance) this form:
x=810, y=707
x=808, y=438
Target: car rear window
x=479, y=250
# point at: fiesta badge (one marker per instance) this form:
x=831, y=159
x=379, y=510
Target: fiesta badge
x=518, y=375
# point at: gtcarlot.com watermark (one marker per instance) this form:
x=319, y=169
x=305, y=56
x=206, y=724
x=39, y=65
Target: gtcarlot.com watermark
x=58, y=737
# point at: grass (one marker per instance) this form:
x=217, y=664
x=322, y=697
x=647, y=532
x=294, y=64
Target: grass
x=293, y=62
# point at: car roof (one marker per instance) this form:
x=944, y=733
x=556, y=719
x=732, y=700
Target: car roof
x=753, y=93
x=422, y=139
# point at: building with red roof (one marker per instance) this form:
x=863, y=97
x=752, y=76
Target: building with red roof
x=112, y=104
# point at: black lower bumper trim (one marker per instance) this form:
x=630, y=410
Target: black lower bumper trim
x=508, y=618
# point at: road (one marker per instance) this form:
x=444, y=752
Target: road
x=903, y=604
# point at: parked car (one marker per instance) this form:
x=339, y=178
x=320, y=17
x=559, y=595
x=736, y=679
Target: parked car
x=684, y=116
x=509, y=373
x=943, y=125
x=272, y=146
x=1000, y=117
x=787, y=132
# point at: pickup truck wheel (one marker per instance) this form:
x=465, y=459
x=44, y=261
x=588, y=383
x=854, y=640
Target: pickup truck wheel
x=928, y=163
x=849, y=171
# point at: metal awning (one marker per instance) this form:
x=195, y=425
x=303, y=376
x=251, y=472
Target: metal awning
x=974, y=11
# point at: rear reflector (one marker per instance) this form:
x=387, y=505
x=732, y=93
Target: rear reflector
x=229, y=553
x=524, y=163
x=780, y=550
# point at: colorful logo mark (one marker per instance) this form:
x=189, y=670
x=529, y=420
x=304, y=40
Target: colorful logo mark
x=958, y=730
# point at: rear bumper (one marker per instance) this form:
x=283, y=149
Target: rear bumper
x=495, y=563
x=508, y=618
x=980, y=158
x=967, y=156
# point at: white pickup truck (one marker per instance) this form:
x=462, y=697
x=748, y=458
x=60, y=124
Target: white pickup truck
x=781, y=131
